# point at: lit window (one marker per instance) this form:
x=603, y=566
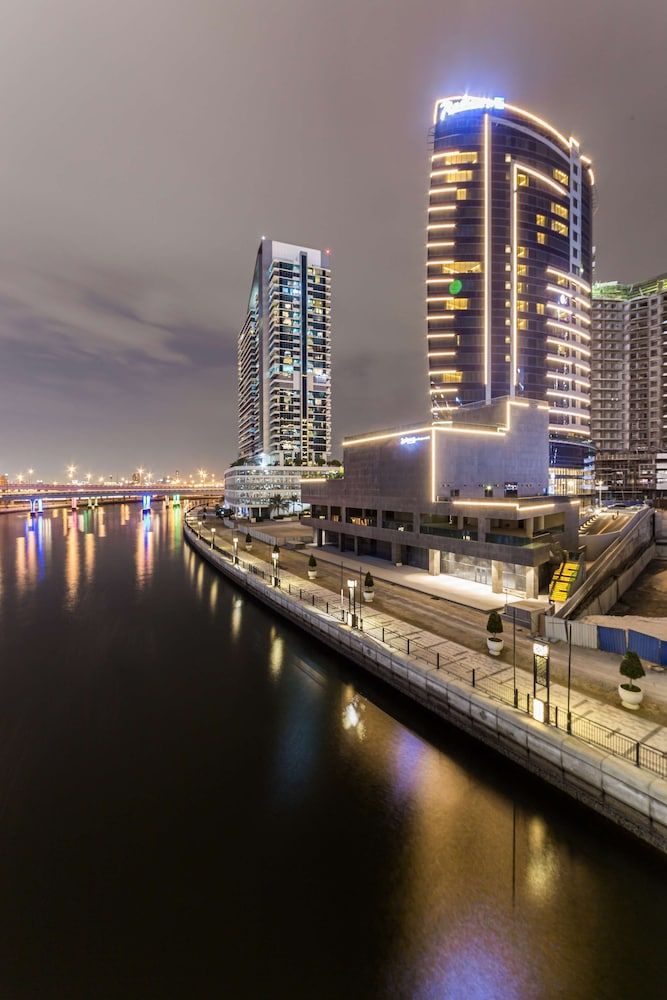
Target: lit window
x=522, y=305
x=559, y=210
x=521, y=287
x=522, y=180
x=561, y=176
x=540, y=220
x=458, y=176
x=452, y=376
x=461, y=194
x=522, y=251
x=541, y=237
x=462, y=267
x=559, y=227
x=522, y=269
x=539, y=308
x=522, y=324
x=451, y=158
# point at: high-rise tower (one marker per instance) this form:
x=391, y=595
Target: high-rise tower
x=284, y=357
x=509, y=260
x=629, y=385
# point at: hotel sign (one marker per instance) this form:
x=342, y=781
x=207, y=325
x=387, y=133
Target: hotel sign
x=454, y=105
x=413, y=438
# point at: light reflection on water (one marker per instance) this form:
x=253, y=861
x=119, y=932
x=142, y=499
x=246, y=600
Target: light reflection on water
x=195, y=769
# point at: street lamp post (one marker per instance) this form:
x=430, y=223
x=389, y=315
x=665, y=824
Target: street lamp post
x=235, y=545
x=516, y=693
x=352, y=596
x=212, y=538
x=275, y=558
x=569, y=675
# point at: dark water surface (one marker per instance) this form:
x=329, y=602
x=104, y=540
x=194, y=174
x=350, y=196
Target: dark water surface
x=190, y=808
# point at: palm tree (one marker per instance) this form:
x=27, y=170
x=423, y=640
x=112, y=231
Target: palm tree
x=276, y=502
x=294, y=499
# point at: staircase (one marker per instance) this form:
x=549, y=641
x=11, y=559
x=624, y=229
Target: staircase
x=563, y=581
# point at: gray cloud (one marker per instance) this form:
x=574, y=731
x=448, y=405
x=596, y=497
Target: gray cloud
x=147, y=145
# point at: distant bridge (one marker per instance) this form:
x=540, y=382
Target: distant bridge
x=39, y=497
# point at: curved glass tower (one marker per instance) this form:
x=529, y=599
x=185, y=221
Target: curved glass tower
x=509, y=259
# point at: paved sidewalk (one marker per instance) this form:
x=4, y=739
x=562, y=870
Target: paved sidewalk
x=450, y=588
x=594, y=673
x=460, y=661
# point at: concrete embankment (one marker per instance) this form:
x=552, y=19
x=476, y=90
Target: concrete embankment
x=629, y=796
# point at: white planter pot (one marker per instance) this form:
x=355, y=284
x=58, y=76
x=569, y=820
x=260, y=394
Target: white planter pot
x=248, y=546
x=494, y=646
x=630, y=699
x=312, y=574
x=368, y=596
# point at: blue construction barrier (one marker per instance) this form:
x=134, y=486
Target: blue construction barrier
x=612, y=640
x=648, y=647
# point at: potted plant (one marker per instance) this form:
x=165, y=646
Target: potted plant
x=312, y=567
x=248, y=542
x=369, y=588
x=631, y=667
x=494, y=640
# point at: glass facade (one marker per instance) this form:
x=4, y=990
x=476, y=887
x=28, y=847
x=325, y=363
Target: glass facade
x=284, y=357
x=509, y=251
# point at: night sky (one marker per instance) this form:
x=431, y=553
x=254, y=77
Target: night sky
x=148, y=144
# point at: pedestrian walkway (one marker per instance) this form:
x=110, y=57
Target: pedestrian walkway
x=450, y=588
x=430, y=651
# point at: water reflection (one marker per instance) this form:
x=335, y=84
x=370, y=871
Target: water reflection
x=236, y=617
x=143, y=550
x=353, y=717
x=276, y=653
x=269, y=789
x=213, y=595
x=72, y=561
x=20, y=572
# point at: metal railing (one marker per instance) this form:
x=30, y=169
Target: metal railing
x=640, y=754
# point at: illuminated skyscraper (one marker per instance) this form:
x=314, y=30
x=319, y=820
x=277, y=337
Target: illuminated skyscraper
x=284, y=357
x=509, y=265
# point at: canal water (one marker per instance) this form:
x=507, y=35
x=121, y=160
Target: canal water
x=199, y=801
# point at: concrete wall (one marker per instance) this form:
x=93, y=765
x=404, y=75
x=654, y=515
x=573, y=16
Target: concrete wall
x=605, y=600
x=616, y=569
x=595, y=545
x=390, y=469
x=520, y=455
x=629, y=796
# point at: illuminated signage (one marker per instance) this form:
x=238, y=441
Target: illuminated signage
x=413, y=438
x=454, y=105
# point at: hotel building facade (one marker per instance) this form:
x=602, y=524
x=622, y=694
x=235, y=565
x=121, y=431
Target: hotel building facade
x=509, y=260
x=629, y=386
x=485, y=488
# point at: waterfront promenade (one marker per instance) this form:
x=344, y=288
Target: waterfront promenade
x=460, y=638
x=619, y=772
x=595, y=674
